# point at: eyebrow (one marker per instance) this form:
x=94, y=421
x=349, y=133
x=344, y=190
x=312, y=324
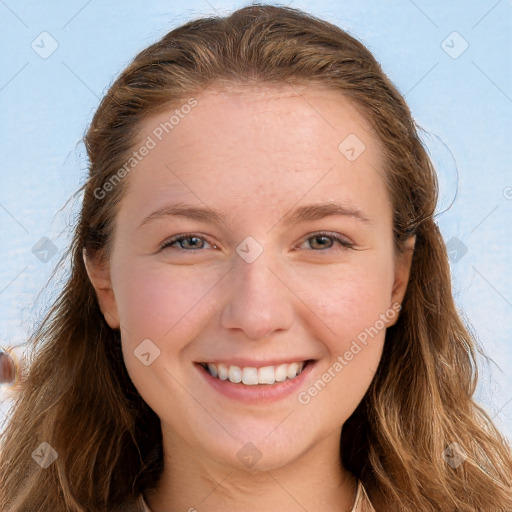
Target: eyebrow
x=304, y=213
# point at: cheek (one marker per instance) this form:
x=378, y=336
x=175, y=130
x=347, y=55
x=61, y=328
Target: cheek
x=164, y=305
x=352, y=306
x=350, y=300
x=153, y=300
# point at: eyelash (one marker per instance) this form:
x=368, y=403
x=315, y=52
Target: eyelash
x=342, y=242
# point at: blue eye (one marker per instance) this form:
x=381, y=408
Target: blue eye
x=326, y=235
x=196, y=241
x=181, y=238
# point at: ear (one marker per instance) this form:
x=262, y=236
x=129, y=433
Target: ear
x=99, y=275
x=403, y=261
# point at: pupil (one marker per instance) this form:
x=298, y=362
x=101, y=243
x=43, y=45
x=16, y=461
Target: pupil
x=193, y=238
x=322, y=237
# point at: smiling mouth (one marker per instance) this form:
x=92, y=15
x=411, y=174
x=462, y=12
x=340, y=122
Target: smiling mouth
x=252, y=376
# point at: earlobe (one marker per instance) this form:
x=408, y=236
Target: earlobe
x=99, y=275
x=402, y=271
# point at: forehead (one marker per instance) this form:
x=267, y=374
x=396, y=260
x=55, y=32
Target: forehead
x=261, y=144
x=308, y=113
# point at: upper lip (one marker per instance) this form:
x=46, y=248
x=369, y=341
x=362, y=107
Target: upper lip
x=244, y=363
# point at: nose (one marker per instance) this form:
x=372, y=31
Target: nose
x=260, y=301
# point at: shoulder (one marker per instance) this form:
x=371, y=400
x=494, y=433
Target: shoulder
x=362, y=502
x=144, y=505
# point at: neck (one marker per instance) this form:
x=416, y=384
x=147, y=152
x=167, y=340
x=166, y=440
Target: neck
x=313, y=481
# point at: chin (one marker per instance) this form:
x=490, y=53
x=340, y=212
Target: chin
x=257, y=453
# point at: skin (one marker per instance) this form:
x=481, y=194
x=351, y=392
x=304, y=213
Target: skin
x=255, y=153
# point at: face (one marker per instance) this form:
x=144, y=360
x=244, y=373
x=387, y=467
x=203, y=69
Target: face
x=269, y=287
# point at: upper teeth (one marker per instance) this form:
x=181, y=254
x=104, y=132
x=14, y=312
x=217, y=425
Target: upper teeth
x=251, y=376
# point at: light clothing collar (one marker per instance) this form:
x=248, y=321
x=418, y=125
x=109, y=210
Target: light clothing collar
x=361, y=503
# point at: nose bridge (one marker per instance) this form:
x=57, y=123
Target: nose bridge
x=258, y=301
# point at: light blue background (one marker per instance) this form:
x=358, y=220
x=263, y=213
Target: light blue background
x=46, y=105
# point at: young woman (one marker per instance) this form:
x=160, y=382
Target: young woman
x=259, y=313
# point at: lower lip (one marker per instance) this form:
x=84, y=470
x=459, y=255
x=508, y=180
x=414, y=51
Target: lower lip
x=260, y=393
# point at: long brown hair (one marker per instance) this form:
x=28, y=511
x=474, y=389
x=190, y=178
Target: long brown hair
x=77, y=395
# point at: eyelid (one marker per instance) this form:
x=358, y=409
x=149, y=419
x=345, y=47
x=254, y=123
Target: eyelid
x=342, y=241
x=166, y=244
